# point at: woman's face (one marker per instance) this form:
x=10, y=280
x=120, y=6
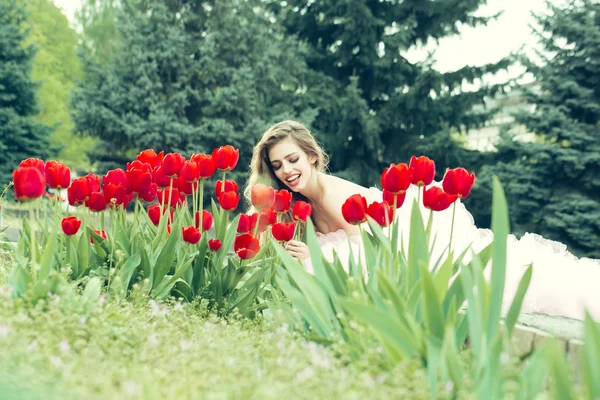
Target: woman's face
x=291, y=164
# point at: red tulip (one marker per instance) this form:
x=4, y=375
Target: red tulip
x=96, y=202
x=267, y=217
x=246, y=246
x=229, y=200
x=191, y=234
x=33, y=163
x=301, y=211
x=150, y=157
x=458, y=181
x=115, y=176
x=185, y=187
x=396, y=178
x=354, y=209
x=206, y=165
x=230, y=186
x=423, y=170
x=262, y=196
x=79, y=191
x=389, y=197
x=225, y=157
x=137, y=164
x=247, y=223
x=139, y=180
x=207, y=220
x=70, y=225
x=29, y=183
x=284, y=232
x=150, y=194
x=434, y=198
x=190, y=171
x=160, y=178
x=154, y=213
x=381, y=212
x=99, y=233
x=114, y=193
x=214, y=244
x=283, y=201
x=58, y=175
x=93, y=182
x=172, y=164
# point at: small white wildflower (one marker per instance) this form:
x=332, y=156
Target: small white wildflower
x=280, y=345
x=449, y=386
x=158, y=310
x=369, y=381
x=185, y=345
x=153, y=340
x=305, y=374
x=64, y=346
x=229, y=361
x=284, y=328
x=131, y=388
x=82, y=320
x=178, y=307
x=6, y=291
x=504, y=358
x=56, y=361
x=54, y=298
x=101, y=299
x=4, y=330
x=281, y=361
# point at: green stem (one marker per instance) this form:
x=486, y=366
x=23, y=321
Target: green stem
x=194, y=201
x=170, y=194
x=32, y=244
x=68, y=252
x=201, y=200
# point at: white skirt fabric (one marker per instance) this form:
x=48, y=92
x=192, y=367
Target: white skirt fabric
x=561, y=284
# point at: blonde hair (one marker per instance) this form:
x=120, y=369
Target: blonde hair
x=261, y=170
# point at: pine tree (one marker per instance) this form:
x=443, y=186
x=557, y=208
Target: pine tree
x=382, y=107
x=552, y=185
x=20, y=135
x=188, y=77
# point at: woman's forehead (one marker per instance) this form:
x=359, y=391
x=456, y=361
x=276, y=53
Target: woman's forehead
x=284, y=148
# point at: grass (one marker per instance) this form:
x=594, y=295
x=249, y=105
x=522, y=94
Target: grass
x=142, y=349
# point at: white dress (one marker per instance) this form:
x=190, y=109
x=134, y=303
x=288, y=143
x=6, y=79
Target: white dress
x=561, y=284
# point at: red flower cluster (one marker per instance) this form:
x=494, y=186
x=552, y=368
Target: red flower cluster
x=397, y=178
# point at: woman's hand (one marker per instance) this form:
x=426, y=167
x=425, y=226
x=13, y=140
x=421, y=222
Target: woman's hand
x=297, y=249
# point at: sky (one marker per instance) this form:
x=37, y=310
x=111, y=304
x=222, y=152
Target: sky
x=474, y=46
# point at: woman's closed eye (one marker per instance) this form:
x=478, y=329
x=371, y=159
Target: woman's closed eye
x=278, y=165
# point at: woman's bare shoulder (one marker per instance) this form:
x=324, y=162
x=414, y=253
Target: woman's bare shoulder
x=340, y=189
x=337, y=190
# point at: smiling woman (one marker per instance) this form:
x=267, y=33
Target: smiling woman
x=288, y=158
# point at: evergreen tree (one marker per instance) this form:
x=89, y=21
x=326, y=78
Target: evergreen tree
x=552, y=185
x=57, y=66
x=20, y=135
x=190, y=76
x=99, y=33
x=385, y=108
